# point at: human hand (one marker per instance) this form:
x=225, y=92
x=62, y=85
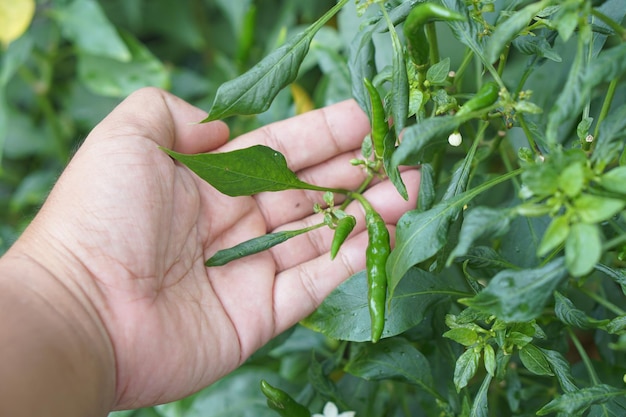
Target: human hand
x=130, y=229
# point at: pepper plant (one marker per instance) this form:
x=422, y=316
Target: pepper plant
x=505, y=291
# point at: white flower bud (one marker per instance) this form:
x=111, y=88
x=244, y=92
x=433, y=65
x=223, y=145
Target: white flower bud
x=455, y=139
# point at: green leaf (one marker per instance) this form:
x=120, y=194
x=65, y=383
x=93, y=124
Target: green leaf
x=344, y=314
x=426, y=196
x=480, y=407
x=244, y=171
x=361, y=61
x=581, y=80
x=114, y=78
x=418, y=139
x=617, y=325
x=480, y=222
x=255, y=245
x=573, y=403
x=510, y=28
x=536, y=45
x=489, y=357
x=517, y=296
x=86, y=25
x=611, y=130
x=614, y=180
x=399, y=85
x=616, y=274
x=583, y=249
x=395, y=359
x=466, y=31
x=438, y=73
x=561, y=369
x=254, y=91
x=572, y=179
x=392, y=171
x=570, y=315
x=595, y=209
x=534, y=360
x=462, y=335
x=466, y=367
x=555, y=234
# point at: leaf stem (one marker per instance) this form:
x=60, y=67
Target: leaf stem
x=610, y=23
x=606, y=106
x=585, y=358
x=603, y=302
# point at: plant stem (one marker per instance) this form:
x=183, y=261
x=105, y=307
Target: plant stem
x=603, y=302
x=585, y=358
x=621, y=32
x=606, y=106
x=529, y=135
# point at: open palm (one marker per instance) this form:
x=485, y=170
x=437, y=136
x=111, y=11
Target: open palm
x=142, y=226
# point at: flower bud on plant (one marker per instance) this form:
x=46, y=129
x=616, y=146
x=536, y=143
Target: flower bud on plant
x=455, y=139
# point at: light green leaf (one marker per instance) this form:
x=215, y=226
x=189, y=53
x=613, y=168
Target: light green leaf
x=466, y=367
x=570, y=315
x=114, y=78
x=555, y=234
x=254, y=91
x=245, y=171
x=438, y=73
x=489, y=358
x=517, y=296
x=86, y=25
x=508, y=29
x=572, y=403
x=572, y=179
x=614, y=180
x=255, y=245
x=534, y=360
x=344, y=314
x=395, y=359
x=595, y=209
x=583, y=249
x=462, y=335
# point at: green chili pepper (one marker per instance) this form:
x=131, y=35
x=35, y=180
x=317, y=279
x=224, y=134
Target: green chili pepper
x=376, y=255
x=380, y=127
x=343, y=229
x=281, y=402
x=417, y=42
x=485, y=97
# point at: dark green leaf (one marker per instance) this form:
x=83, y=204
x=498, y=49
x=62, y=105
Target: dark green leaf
x=399, y=85
x=616, y=274
x=583, y=249
x=344, y=314
x=422, y=137
x=536, y=45
x=480, y=407
x=582, y=79
x=426, y=196
x=392, y=171
x=244, y=171
x=394, y=358
x=466, y=367
x=576, y=402
x=534, y=360
x=252, y=246
x=466, y=31
x=254, y=91
x=570, y=315
x=362, y=65
x=510, y=28
x=612, y=129
x=516, y=296
x=478, y=223
x=561, y=369
x=617, y=325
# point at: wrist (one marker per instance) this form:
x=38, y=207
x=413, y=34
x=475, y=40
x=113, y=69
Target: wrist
x=56, y=355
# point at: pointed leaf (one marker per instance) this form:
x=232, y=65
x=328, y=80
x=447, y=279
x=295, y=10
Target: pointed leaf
x=534, y=360
x=480, y=407
x=510, y=28
x=255, y=245
x=615, y=180
x=245, y=171
x=572, y=403
x=570, y=315
x=561, y=369
x=254, y=91
x=395, y=359
x=417, y=140
x=466, y=367
x=516, y=296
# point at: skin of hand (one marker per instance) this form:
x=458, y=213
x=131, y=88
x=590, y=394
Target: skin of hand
x=119, y=248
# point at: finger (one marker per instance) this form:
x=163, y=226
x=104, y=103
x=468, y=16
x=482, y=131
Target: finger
x=154, y=114
x=312, y=137
x=383, y=197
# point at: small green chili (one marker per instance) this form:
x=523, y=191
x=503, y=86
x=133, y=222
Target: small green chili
x=281, y=402
x=485, y=97
x=417, y=42
x=380, y=127
x=343, y=229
